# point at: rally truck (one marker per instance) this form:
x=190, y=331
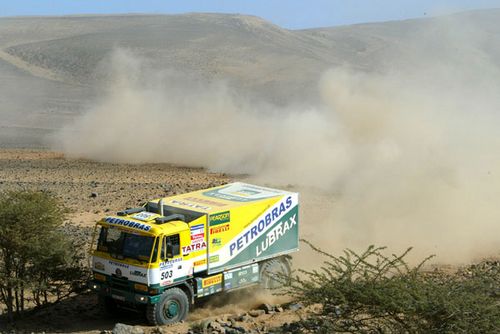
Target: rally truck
x=166, y=255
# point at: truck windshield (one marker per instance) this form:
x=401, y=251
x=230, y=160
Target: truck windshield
x=120, y=244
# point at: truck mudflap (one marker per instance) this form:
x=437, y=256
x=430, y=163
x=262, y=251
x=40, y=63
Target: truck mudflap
x=228, y=280
x=208, y=285
x=241, y=277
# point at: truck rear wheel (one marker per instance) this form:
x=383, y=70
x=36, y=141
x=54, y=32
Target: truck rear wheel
x=275, y=273
x=172, y=307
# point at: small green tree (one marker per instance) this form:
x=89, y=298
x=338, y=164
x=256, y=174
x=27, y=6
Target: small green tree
x=38, y=261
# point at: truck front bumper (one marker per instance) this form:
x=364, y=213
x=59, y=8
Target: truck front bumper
x=119, y=295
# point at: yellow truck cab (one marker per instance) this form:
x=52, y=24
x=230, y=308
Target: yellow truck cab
x=168, y=253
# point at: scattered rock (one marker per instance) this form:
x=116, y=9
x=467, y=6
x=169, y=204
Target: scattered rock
x=126, y=329
x=256, y=313
x=157, y=330
x=94, y=195
x=295, y=306
x=244, y=318
x=239, y=329
x=215, y=326
x=266, y=308
x=205, y=324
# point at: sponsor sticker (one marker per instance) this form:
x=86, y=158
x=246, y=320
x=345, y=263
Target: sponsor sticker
x=169, y=263
x=213, y=259
x=205, y=201
x=197, y=239
x=219, y=229
x=213, y=280
x=99, y=266
x=246, y=192
x=195, y=246
x=191, y=205
x=275, y=234
x=198, y=232
x=242, y=193
x=220, y=218
x=200, y=263
x=118, y=264
x=127, y=223
x=259, y=227
x=138, y=273
x=145, y=216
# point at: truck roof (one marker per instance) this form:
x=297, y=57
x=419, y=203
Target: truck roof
x=221, y=198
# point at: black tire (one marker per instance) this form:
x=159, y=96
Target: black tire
x=107, y=305
x=275, y=273
x=172, y=307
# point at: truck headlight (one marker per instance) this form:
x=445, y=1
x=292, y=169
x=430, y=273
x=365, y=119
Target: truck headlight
x=141, y=299
x=141, y=287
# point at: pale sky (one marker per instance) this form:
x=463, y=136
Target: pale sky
x=293, y=14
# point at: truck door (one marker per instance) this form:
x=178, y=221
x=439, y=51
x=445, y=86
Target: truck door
x=172, y=267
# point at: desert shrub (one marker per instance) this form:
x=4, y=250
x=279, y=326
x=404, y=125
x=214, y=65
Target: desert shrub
x=39, y=262
x=374, y=293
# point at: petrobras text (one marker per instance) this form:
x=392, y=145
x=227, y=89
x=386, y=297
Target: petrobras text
x=127, y=223
x=256, y=230
x=277, y=232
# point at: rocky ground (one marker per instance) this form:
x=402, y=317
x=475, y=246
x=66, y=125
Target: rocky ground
x=90, y=190
x=242, y=312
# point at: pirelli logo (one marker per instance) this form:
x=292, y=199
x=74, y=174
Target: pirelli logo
x=219, y=229
x=212, y=280
x=220, y=218
x=200, y=263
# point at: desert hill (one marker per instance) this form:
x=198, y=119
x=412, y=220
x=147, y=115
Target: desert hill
x=51, y=67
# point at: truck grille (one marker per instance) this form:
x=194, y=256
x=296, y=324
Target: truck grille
x=120, y=283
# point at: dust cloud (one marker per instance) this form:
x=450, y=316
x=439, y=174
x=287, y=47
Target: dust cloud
x=237, y=302
x=408, y=155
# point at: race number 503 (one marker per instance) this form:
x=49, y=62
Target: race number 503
x=166, y=274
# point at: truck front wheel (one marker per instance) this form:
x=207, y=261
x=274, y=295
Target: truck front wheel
x=172, y=307
x=275, y=273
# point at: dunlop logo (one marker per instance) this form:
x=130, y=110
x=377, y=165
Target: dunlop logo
x=220, y=218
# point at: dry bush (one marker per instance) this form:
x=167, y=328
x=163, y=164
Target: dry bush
x=374, y=293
